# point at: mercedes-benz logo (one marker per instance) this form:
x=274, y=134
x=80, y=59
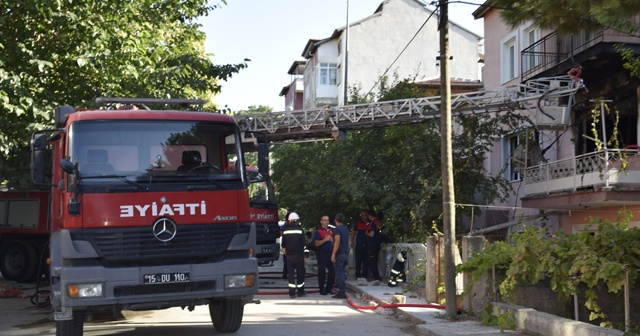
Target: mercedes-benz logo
x=164, y=229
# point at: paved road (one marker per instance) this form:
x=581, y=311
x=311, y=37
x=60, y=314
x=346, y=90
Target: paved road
x=276, y=315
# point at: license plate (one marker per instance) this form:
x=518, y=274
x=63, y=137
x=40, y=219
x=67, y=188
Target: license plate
x=163, y=278
x=266, y=250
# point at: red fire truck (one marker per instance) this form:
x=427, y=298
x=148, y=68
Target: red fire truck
x=24, y=233
x=144, y=212
x=264, y=212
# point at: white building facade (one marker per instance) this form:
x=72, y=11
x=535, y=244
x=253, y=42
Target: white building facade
x=399, y=40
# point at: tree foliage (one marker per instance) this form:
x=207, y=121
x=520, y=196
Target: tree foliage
x=251, y=155
x=571, y=16
x=589, y=260
x=255, y=109
x=68, y=52
x=395, y=170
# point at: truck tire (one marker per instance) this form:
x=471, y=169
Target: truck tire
x=18, y=261
x=73, y=327
x=226, y=314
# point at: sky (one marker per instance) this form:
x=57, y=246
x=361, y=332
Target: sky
x=273, y=34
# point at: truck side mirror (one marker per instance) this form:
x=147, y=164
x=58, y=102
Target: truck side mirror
x=67, y=166
x=39, y=145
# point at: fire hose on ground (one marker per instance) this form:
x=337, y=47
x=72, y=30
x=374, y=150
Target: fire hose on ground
x=394, y=305
x=349, y=301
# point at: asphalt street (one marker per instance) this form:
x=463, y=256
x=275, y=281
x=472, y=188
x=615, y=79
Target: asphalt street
x=277, y=314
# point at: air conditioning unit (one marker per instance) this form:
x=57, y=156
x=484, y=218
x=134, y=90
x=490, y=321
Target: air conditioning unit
x=553, y=117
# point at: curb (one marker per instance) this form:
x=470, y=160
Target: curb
x=409, y=316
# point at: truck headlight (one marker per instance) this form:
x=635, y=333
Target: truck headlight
x=239, y=280
x=87, y=290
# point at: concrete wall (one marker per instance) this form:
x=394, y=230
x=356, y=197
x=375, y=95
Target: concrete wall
x=550, y=325
x=541, y=298
x=376, y=42
x=537, y=307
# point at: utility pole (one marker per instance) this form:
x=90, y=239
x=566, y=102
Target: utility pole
x=446, y=164
x=346, y=59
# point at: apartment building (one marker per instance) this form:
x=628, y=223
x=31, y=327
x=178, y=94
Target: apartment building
x=294, y=92
x=577, y=158
x=400, y=39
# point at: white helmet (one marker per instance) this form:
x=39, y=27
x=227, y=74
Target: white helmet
x=293, y=217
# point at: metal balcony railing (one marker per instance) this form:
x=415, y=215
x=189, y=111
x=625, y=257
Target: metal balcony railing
x=554, y=49
x=613, y=168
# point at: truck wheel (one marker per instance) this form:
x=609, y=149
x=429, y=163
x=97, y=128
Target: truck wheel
x=18, y=261
x=226, y=314
x=73, y=327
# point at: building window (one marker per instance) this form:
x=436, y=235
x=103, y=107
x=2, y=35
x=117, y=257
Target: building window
x=530, y=61
x=509, y=59
x=328, y=74
x=515, y=148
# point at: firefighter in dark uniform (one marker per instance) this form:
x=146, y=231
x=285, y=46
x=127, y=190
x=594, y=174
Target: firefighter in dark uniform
x=293, y=243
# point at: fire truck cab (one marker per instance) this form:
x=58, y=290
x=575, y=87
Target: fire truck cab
x=146, y=212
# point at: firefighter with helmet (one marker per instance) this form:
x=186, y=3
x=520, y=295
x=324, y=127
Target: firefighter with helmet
x=293, y=243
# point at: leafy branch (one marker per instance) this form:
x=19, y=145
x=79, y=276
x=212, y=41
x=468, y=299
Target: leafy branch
x=589, y=259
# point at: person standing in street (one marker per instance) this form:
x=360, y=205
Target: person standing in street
x=285, y=272
x=293, y=243
x=340, y=254
x=323, y=240
x=359, y=242
x=373, y=248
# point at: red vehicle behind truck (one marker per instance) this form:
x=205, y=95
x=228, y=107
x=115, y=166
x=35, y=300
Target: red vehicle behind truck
x=24, y=233
x=264, y=212
x=142, y=212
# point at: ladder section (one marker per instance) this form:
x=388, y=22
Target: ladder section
x=329, y=122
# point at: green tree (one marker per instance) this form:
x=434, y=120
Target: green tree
x=573, y=16
x=590, y=262
x=394, y=170
x=254, y=109
x=251, y=154
x=570, y=16
x=70, y=52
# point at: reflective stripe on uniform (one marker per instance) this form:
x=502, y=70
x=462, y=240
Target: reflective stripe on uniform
x=292, y=231
x=296, y=286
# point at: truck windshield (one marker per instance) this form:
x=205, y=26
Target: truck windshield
x=146, y=151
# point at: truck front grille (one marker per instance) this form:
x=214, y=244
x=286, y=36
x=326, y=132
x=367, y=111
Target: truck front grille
x=137, y=245
x=267, y=233
x=120, y=291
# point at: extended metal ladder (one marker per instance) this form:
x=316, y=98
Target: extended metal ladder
x=332, y=122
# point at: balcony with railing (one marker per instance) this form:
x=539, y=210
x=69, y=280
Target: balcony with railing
x=606, y=170
x=554, y=49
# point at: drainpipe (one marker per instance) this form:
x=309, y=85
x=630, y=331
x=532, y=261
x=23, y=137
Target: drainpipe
x=604, y=144
x=575, y=307
x=346, y=60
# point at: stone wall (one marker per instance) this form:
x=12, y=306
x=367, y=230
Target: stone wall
x=545, y=324
x=541, y=298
